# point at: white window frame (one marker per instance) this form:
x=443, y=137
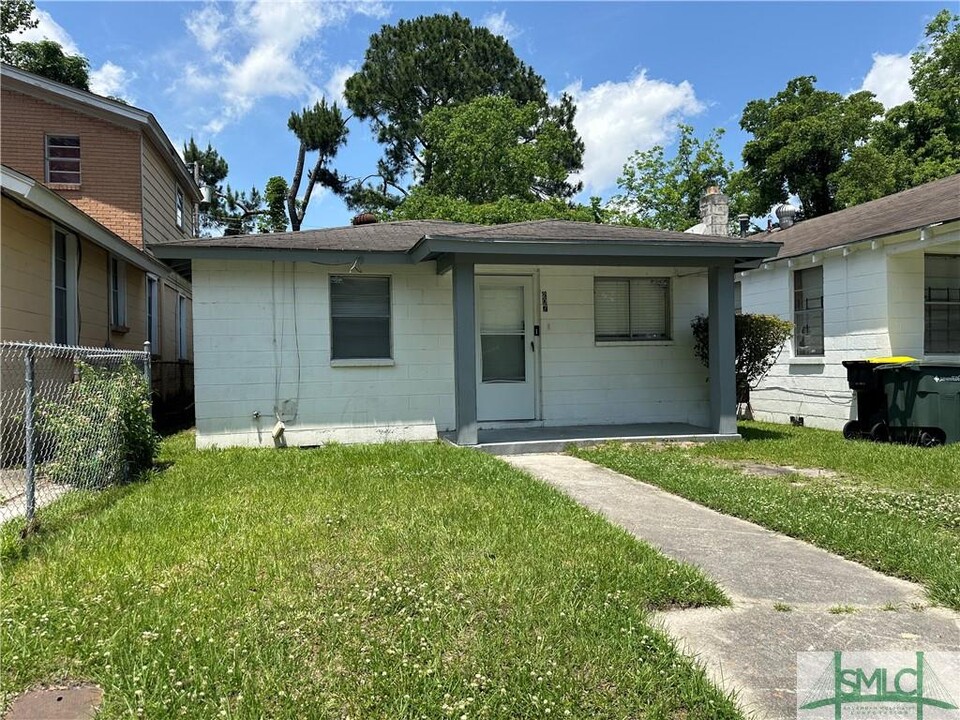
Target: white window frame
x=930, y=300
x=118, y=294
x=628, y=337
x=801, y=314
x=152, y=311
x=47, y=158
x=179, y=207
x=181, y=326
x=69, y=288
x=390, y=321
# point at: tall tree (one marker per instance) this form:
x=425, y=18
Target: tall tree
x=320, y=129
x=801, y=137
x=421, y=204
x=47, y=58
x=431, y=62
x=230, y=211
x=663, y=193
x=274, y=217
x=15, y=17
x=490, y=148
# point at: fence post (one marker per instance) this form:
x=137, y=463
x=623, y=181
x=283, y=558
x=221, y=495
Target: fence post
x=29, y=430
x=146, y=366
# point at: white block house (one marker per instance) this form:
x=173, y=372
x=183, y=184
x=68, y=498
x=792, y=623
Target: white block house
x=407, y=330
x=875, y=280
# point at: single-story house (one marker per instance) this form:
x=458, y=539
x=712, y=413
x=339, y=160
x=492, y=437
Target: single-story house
x=407, y=330
x=876, y=280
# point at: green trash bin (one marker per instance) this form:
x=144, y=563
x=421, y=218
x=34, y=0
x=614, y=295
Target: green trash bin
x=872, y=419
x=923, y=402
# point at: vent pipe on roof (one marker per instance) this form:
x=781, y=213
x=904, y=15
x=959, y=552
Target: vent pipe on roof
x=744, y=221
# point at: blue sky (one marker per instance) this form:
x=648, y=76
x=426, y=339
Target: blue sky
x=231, y=72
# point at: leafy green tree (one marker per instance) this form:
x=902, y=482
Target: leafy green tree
x=421, y=204
x=439, y=61
x=801, y=137
x=320, y=129
x=47, y=58
x=490, y=148
x=663, y=193
x=274, y=217
x=15, y=17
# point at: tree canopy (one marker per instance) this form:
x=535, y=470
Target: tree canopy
x=801, y=137
x=441, y=61
x=15, y=17
x=320, y=129
x=47, y=58
x=421, y=204
x=490, y=147
x=663, y=193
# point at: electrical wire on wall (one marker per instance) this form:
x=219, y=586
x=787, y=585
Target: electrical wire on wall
x=279, y=334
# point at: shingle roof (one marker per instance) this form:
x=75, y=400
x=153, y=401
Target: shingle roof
x=937, y=201
x=403, y=235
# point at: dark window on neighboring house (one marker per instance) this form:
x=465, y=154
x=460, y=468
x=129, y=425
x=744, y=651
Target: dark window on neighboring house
x=631, y=309
x=64, y=288
x=808, y=311
x=738, y=297
x=181, y=327
x=359, y=317
x=153, y=314
x=941, y=306
x=63, y=159
x=118, y=293
x=178, y=207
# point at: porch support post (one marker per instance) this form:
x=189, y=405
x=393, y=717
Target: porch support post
x=723, y=381
x=465, y=352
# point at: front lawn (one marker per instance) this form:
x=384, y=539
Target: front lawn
x=891, y=507
x=380, y=581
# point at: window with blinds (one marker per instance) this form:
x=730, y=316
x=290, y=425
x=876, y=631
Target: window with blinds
x=359, y=317
x=631, y=309
x=63, y=159
x=808, y=311
x=941, y=304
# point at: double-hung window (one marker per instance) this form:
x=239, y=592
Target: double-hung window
x=941, y=304
x=118, y=294
x=359, y=317
x=808, y=311
x=178, y=207
x=63, y=159
x=64, y=288
x=153, y=313
x=631, y=309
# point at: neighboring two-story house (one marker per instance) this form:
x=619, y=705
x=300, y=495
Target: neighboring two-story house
x=88, y=184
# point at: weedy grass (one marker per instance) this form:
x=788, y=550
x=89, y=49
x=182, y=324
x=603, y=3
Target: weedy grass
x=365, y=581
x=892, y=507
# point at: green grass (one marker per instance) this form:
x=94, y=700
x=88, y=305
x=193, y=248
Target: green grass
x=891, y=507
x=380, y=581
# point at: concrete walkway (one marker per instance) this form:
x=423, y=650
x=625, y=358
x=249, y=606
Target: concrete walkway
x=752, y=648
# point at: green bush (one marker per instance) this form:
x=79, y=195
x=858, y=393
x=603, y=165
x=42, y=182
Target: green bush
x=759, y=338
x=102, y=430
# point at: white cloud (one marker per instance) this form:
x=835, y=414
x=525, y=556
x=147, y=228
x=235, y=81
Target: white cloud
x=889, y=79
x=48, y=29
x=498, y=24
x=111, y=79
x=616, y=118
x=333, y=89
x=260, y=49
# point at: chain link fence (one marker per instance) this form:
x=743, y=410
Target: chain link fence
x=59, y=428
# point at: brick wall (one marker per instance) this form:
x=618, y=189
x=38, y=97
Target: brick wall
x=110, y=189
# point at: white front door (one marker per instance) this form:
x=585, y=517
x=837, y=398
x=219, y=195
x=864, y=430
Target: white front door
x=505, y=348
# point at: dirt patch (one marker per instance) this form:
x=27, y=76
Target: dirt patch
x=769, y=470
x=67, y=702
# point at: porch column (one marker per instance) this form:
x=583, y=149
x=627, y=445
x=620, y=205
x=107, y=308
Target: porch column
x=465, y=352
x=723, y=380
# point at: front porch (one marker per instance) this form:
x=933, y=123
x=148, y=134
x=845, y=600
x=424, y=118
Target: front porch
x=526, y=440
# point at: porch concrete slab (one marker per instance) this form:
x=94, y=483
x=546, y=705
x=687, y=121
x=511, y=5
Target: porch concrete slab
x=752, y=647
x=536, y=440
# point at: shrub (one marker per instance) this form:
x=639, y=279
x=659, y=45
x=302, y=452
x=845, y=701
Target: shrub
x=102, y=430
x=759, y=339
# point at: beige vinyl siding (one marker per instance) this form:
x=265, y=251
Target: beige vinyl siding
x=26, y=246
x=159, y=199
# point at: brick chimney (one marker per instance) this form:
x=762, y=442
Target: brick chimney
x=714, y=212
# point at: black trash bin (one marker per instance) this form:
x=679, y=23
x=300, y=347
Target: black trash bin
x=872, y=406
x=923, y=402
